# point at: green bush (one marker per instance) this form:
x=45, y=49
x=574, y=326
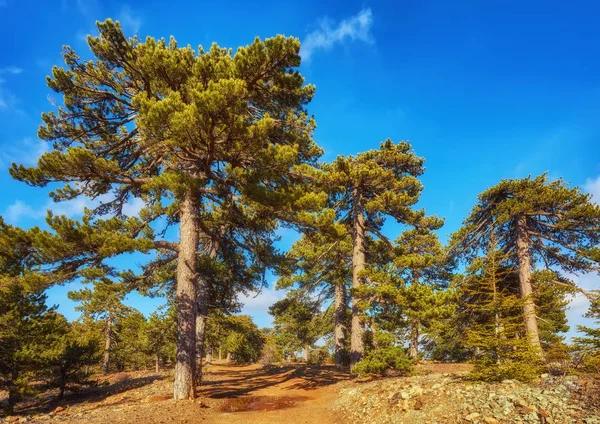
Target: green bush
x=522, y=365
x=319, y=356
x=389, y=358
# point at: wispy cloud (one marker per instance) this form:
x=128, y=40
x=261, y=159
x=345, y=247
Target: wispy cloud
x=257, y=305
x=592, y=186
x=19, y=210
x=15, y=70
x=130, y=21
x=354, y=28
x=8, y=100
x=26, y=152
x=579, y=304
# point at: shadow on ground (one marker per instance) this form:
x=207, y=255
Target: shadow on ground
x=244, y=382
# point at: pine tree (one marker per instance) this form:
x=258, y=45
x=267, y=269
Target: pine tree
x=104, y=304
x=589, y=343
x=177, y=128
x=67, y=363
x=28, y=328
x=321, y=267
x=160, y=336
x=537, y=222
x=365, y=189
x=301, y=318
x=424, y=270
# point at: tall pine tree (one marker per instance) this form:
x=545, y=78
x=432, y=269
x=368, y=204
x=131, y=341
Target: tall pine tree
x=177, y=128
x=537, y=223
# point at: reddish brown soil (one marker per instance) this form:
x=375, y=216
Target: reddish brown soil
x=246, y=394
x=250, y=394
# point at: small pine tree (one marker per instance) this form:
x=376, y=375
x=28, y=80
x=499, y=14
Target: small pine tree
x=103, y=303
x=589, y=344
x=490, y=305
x=69, y=360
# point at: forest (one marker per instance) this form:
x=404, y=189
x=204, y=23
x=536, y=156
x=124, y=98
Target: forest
x=218, y=146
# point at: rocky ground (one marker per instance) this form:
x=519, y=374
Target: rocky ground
x=452, y=398
x=324, y=395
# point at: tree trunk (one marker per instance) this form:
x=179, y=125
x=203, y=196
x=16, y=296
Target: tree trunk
x=209, y=356
x=156, y=363
x=202, y=297
x=13, y=392
x=107, y=344
x=524, y=256
x=229, y=356
x=340, y=322
x=220, y=353
x=306, y=353
x=184, y=386
x=358, y=265
x=413, y=351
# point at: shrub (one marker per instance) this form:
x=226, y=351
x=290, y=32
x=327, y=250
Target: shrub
x=384, y=359
x=521, y=364
x=319, y=356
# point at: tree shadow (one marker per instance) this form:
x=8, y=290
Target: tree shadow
x=245, y=382
x=49, y=402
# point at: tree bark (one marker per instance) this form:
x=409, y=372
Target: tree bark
x=107, y=344
x=209, y=355
x=228, y=356
x=184, y=386
x=358, y=265
x=339, y=317
x=220, y=353
x=413, y=351
x=156, y=363
x=13, y=392
x=202, y=297
x=306, y=353
x=524, y=257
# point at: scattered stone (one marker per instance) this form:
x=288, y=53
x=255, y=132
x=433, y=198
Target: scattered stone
x=472, y=416
x=58, y=410
x=490, y=420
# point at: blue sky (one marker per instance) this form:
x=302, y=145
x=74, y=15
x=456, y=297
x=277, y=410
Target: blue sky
x=483, y=90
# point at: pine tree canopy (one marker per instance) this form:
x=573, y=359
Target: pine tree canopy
x=562, y=224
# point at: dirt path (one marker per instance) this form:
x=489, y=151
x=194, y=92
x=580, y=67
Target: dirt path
x=230, y=394
x=253, y=394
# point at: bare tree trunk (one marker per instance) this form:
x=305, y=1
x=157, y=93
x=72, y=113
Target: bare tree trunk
x=13, y=392
x=340, y=322
x=107, y=344
x=229, y=356
x=156, y=363
x=184, y=386
x=358, y=265
x=413, y=350
x=220, y=353
x=524, y=256
x=202, y=297
x=201, y=316
x=209, y=355
x=306, y=353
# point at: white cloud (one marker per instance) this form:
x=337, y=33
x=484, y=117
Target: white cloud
x=257, y=306
x=7, y=99
x=133, y=207
x=592, y=187
x=15, y=70
x=26, y=152
x=20, y=210
x=579, y=304
x=129, y=21
x=354, y=28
